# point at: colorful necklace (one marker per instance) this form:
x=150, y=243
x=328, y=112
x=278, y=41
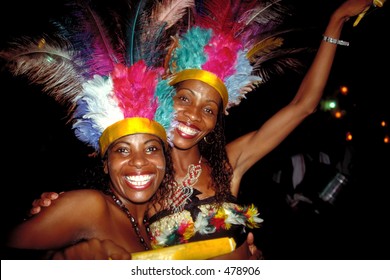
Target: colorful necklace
x=132, y=219
x=184, y=189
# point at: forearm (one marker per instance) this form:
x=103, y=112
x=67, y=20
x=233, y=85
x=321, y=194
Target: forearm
x=313, y=84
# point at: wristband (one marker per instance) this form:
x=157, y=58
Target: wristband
x=335, y=41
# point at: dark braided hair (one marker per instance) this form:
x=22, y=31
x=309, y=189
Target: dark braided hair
x=214, y=152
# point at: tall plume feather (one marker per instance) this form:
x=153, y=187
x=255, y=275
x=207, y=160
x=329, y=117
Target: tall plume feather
x=52, y=64
x=87, y=31
x=84, y=65
x=170, y=11
x=150, y=28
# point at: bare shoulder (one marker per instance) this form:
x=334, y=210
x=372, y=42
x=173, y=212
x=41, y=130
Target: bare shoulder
x=82, y=199
x=87, y=194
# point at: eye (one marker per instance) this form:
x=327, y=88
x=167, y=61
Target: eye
x=209, y=111
x=152, y=149
x=122, y=150
x=182, y=98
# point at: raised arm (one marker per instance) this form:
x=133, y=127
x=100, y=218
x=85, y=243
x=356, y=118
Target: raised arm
x=245, y=151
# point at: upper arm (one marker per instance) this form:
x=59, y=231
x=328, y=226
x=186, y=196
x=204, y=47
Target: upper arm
x=246, y=150
x=66, y=221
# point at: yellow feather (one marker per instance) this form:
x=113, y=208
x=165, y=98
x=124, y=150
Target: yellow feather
x=264, y=46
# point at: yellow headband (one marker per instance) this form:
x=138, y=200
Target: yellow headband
x=130, y=126
x=204, y=76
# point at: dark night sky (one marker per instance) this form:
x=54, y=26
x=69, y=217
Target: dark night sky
x=40, y=153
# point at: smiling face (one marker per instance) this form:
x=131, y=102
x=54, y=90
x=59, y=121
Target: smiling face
x=197, y=105
x=136, y=166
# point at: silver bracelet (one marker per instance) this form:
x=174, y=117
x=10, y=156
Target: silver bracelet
x=335, y=41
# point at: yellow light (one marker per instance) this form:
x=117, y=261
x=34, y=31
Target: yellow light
x=338, y=114
x=386, y=140
x=383, y=123
x=349, y=136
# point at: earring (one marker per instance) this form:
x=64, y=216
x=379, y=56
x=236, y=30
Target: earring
x=205, y=140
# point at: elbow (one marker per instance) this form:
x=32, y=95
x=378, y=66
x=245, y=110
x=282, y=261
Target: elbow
x=305, y=111
x=310, y=111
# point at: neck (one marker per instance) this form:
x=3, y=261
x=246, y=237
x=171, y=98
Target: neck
x=183, y=158
x=136, y=210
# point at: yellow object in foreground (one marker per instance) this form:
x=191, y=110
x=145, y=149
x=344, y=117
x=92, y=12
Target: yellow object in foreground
x=198, y=250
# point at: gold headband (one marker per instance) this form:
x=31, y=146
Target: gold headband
x=204, y=76
x=130, y=126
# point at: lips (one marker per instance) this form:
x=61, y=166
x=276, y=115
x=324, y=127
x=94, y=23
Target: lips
x=187, y=131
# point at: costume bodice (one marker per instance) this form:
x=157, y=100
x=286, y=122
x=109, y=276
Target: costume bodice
x=202, y=219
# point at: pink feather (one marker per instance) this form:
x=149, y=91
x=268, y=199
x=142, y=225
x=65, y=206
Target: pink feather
x=135, y=83
x=96, y=40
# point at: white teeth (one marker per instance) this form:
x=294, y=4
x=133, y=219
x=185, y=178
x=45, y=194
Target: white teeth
x=187, y=130
x=139, y=180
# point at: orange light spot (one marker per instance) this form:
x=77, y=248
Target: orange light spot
x=344, y=90
x=338, y=114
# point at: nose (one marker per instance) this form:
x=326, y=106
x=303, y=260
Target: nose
x=192, y=113
x=138, y=160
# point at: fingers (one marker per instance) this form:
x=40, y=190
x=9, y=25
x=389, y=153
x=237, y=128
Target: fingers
x=250, y=238
x=44, y=201
x=93, y=249
x=49, y=195
x=114, y=251
x=256, y=254
x=35, y=210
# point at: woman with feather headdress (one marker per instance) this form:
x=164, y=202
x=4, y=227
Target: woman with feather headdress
x=84, y=67
x=132, y=141
x=213, y=65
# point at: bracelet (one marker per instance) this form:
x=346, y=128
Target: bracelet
x=335, y=41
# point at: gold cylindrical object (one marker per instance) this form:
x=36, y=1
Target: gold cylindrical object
x=378, y=3
x=375, y=3
x=197, y=250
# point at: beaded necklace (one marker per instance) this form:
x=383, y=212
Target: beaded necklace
x=183, y=190
x=132, y=219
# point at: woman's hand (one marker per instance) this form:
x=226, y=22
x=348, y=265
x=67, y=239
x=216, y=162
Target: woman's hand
x=93, y=249
x=247, y=251
x=44, y=201
x=255, y=253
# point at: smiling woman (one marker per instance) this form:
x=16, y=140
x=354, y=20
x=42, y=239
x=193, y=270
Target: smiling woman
x=194, y=144
x=133, y=145
x=123, y=112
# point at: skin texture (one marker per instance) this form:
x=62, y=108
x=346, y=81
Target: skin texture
x=87, y=214
x=197, y=105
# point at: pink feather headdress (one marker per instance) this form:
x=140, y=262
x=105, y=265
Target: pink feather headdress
x=107, y=78
x=227, y=44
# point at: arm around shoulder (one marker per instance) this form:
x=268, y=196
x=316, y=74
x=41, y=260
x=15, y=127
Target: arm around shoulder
x=59, y=225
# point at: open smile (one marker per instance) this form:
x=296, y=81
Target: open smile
x=187, y=130
x=139, y=181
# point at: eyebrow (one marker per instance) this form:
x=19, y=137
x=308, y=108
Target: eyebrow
x=153, y=140
x=193, y=93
